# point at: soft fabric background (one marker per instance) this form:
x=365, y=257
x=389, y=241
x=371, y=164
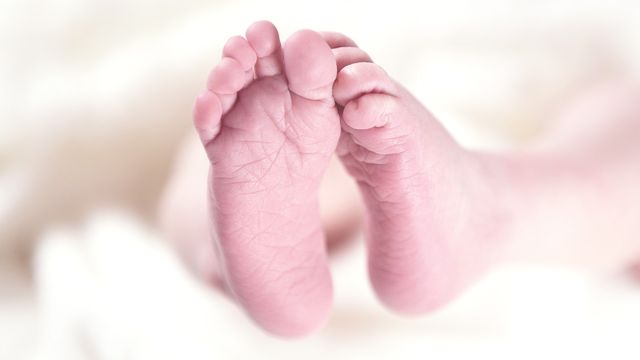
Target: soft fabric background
x=96, y=95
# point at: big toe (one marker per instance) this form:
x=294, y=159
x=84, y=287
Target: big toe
x=309, y=65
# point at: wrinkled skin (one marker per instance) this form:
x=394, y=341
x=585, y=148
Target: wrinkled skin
x=437, y=215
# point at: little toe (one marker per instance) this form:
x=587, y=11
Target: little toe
x=310, y=65
x=265, y=41
x=207, y=113
x=361, y=78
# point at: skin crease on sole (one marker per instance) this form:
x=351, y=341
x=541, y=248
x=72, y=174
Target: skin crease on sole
x=421, y=254
x=387, y=139
x=270, y=126
x=183, y=215
x=437, y=215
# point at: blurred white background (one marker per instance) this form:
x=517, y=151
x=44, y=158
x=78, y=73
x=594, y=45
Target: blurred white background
x=96, y=96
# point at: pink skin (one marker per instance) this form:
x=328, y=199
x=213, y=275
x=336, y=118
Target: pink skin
x=426, y=238
x=184, y=217
x=574, y=196
x=634, y=270
x=437, y=215
x=270, y=126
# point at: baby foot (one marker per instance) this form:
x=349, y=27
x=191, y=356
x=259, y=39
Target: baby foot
x=269, y=126
x=432, y=217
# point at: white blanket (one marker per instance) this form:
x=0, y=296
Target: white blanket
x=96, y=95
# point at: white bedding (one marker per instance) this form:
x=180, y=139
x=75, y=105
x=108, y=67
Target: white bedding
x=96, y=96
x=113, y=291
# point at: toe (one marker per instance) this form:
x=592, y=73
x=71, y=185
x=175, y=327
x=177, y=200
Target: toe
x=346, y=56
x=265, y=41
x=238, y=48
x=310, y=65
x=227, y=77
x=207, y=112
x=361, y=78
x=370, y=111
x=337, y=40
